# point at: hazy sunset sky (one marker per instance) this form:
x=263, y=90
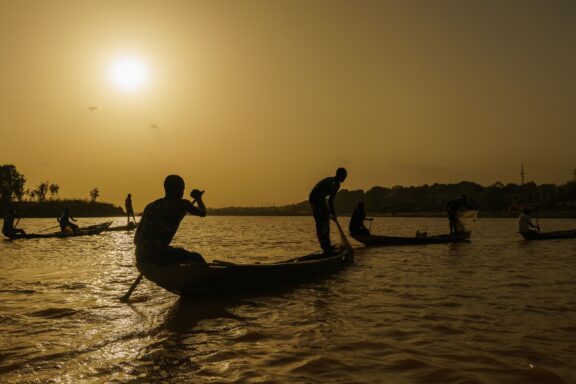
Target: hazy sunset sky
x=255, y=101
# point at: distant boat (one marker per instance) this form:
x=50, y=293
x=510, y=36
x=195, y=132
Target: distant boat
x=379, y=241
x=567, y=234
x=220, y=278
x=84, y=231
x=465, y=221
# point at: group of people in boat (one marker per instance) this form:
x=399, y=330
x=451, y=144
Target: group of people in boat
x=65, y=220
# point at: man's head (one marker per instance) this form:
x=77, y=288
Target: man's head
x=129, y=195
x=527, y=211
x=341, y=174
x=174, y=186
x=361, y=205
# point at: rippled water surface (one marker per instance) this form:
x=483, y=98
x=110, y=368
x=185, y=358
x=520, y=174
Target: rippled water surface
x=496, y=310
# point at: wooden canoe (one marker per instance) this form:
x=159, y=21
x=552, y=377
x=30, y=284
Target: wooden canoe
x=218, y=278
x=567, y=234
x=84, y=231
x=379, y=241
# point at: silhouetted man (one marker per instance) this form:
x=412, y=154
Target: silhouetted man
x=65, y=222
x=356, y=226
x=324, y=211
x=8, y=228
x=160, y=221
x=453, y=207
x=129, y=209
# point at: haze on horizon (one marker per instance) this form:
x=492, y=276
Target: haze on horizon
x=255, y=101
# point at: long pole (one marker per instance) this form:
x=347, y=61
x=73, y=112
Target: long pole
x=49, y=228
x=132, y=288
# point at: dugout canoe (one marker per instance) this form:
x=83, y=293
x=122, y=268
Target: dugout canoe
x=219, y=278
x=84, y=231
x=380, y=241
x=567, y=234
x=128, y=227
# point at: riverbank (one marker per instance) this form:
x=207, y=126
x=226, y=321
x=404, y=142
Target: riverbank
x=78, y=208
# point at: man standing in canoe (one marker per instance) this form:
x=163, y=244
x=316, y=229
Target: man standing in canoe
x=160, y=221
x=324, y=211
x=453, y=207
x=129, y=209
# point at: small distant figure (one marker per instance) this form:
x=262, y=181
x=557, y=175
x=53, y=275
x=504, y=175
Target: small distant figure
x=65, y=222
x=525, y=223
x=160, y=221
x=453, y=208
x=129, y=210
x=324, y=211
x=8, y=227
x=356, y=226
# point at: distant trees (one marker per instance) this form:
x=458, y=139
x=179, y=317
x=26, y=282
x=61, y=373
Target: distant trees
x=54, y=189
x=11, y=183
x=41, y=190
x=94, y=194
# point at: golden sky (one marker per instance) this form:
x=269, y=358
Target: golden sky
x=255, y=101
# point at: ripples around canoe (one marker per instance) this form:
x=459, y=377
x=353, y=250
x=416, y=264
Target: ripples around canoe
x=498, y=309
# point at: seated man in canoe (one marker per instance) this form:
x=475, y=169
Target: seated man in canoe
x=8, y=227
x=161, y=220
x=356, y=226
x=525, y=224
x=65, y=222
x=323, y=210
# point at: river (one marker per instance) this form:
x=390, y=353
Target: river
x=496, y=310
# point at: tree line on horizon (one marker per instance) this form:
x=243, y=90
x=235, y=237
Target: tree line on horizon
x=497, y=199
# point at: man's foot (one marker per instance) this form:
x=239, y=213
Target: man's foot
x=331, y=249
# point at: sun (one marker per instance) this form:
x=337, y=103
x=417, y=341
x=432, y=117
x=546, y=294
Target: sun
x=129, y=73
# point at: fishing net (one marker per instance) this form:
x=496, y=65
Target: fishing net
x=466, y=220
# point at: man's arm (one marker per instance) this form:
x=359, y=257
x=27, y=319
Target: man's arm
x=199, y=209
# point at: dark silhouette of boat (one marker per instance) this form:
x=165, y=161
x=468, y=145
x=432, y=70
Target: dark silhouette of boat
x=128, y=227
x=83, y=231
x=379, y=241
x=219, y=278
x=566, y=234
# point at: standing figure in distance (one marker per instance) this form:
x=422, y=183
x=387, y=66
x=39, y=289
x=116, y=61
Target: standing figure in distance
x=324, y=211
x=356, y=226
x=160, y=221
x=129, y=210
x=65, y=222
x=453, y=207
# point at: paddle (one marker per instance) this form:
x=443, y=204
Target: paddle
x=132, y=288
x=537, y=223
x=44, y=230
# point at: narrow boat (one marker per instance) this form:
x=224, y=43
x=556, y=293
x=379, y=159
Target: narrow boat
x=84, y=231
x=128, y=227
x=379, y=241
x=218, y=278
x=466, y=219
x=567, y=234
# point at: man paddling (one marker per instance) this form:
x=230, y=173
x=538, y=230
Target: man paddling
x=160, y=221
x=324, y=211
x=525, y=224
x=356, y=226
x=65, y=222
x=8, y=227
